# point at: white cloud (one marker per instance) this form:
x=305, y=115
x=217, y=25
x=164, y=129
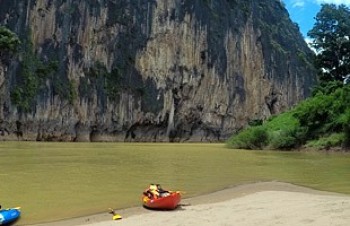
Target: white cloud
x=298, y=3
x=337, y=2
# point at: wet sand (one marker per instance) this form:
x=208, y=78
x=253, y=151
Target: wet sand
x=263, y=204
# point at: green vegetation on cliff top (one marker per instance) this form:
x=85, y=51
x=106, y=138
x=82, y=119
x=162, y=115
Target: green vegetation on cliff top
x=322, y=121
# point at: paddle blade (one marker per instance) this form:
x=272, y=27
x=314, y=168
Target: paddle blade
x=116, y=217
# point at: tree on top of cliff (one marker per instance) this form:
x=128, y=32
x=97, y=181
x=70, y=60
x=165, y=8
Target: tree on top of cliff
x=331, y=34
x=8, y=42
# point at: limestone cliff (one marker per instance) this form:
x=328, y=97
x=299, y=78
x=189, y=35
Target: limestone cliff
x=148, y=70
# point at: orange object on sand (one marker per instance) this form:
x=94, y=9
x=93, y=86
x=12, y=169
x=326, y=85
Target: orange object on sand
x=168, y=201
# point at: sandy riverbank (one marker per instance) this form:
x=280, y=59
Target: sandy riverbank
x=263, y=204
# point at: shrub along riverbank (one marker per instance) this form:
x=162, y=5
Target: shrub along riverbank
x=320, y=122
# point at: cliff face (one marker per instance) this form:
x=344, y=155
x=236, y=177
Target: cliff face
x=148, y=70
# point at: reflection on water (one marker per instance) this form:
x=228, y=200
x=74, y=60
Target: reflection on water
x=60, y=180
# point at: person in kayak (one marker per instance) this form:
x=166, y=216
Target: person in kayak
x=153, y=191
x=161, y=191
x=156, y=191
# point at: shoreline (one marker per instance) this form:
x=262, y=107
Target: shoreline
x=247, y=193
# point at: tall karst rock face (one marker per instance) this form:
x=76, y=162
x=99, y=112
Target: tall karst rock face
x=148, y=70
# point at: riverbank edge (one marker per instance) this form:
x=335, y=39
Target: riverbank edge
x=214, y=197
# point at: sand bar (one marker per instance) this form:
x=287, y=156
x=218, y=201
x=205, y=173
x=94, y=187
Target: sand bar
x=263, y=204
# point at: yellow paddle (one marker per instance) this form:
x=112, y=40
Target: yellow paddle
x=115, y=215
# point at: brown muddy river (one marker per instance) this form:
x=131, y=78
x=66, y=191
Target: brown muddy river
x=53, y=181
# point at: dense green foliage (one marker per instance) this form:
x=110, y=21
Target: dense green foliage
x=33, y=73
x=347, y=128
x=8, y=41
x=322, y=121
x=110, y=82
x=251, y=138
x=331, y=40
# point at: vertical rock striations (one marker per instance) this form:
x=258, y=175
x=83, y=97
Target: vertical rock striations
x=148, y=70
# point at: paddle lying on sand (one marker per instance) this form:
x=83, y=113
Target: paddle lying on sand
x=115, y=215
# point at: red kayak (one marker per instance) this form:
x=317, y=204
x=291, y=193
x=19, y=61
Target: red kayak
x=167, y=201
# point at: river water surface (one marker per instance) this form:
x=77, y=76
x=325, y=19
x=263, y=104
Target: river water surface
x=53, y=181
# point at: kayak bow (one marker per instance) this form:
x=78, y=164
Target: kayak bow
x=9, y=215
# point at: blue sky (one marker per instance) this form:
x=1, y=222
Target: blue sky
x=303, y=11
